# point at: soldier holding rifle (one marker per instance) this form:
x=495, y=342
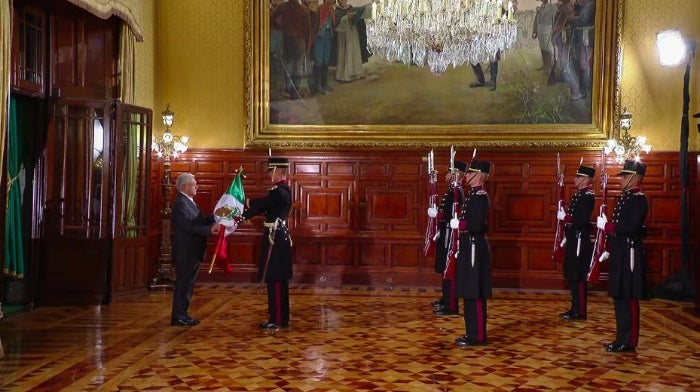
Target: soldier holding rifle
x=275, y=262
x=473, y=270
x=626, y=271
x=450, y=204
x=578, y=242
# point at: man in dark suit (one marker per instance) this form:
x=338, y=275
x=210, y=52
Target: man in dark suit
x=275, y=262
x=190, y=231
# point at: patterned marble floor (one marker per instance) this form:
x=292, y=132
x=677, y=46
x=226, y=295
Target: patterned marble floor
x=343, y=339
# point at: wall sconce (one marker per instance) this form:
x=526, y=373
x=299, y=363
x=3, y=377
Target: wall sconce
x=168, y=146
x=625, y=146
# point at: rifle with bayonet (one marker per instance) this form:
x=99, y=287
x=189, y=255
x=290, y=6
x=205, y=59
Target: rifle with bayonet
x=559, y=239
x=431, y=230
x=600, y=252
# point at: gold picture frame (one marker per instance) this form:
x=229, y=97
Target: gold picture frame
x=603, y=101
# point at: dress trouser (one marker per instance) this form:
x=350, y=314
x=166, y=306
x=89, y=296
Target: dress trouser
x=627, y=320
x=278, y=302
x=449, y=295
x=475, y=319
x=579, y=297
x=185, y=278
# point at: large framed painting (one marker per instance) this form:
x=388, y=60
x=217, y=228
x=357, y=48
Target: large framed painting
x=556, y=86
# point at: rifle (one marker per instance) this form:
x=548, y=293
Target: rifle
x=600, y=252
x=453, y=250
x=559, y=240
x=431, y=231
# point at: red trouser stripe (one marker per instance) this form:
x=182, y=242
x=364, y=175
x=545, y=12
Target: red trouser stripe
x=453, y=295
x=278, y=303
x=634, y=313
x=480, y=333
x=582, y=298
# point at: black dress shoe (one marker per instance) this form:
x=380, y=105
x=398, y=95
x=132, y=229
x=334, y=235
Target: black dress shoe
x=465, y=341
x=573, y=316
x=622, y=348
x=567, y=313
x=270, y=325
x=443, y=311
x=609, y=346
x=437, y=303
x=186, y=322
x=194, y=321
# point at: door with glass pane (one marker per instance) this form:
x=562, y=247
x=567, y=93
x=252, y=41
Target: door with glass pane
x=132, y=150
x=77, y=217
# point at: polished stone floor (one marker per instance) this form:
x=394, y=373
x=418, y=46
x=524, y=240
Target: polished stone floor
x=344, y=339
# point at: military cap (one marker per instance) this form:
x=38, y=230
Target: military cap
x=633, y=167
x=277, y=162
x=459, y=165
x=479, y=166
x=585, y=171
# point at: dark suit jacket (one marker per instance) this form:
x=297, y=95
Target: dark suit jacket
x=190, y=230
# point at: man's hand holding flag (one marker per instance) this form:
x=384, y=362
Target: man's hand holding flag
x=227, y=213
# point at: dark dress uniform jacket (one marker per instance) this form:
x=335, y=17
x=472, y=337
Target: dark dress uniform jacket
x=275, y=205
x=444, y=216
x=628, y=216
x=191, y=229
x=474, y=282
x=580, y=208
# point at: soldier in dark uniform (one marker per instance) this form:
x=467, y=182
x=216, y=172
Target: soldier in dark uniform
x=447, y=304
x=473, y=274
x=578, y=242
x=626, y=270
x=275, y=262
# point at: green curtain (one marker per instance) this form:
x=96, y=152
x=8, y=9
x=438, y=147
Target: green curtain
x=14, y=248
x=130, y=177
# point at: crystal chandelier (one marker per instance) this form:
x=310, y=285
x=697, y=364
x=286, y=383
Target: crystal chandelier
x=169, y=145
x=626, y=146
x=440, y=33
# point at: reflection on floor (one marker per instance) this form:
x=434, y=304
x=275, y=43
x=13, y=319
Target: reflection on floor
x=343, y=339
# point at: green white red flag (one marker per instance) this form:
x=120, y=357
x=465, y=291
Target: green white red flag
x=228, y=208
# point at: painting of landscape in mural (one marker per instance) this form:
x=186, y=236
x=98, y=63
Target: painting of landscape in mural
x=547, y=78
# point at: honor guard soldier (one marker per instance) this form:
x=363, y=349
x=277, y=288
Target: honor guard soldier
x=473, y=271
x=447, y=304
x=275, y=261
x=626, y=270
x=577, y=248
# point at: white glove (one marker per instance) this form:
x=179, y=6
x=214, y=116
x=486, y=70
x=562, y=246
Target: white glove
x=601, y=221
x=561, y=215
x=454, y=223
x=432, y=212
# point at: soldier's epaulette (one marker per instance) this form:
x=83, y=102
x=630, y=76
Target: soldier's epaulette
x=640, y=193
x=481, y=192
x=273, y=188
x=590, y=192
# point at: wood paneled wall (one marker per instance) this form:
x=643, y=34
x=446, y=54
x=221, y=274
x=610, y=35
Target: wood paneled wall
x=360, y=216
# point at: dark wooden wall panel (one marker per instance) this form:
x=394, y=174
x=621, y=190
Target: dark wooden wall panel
x=360, y=216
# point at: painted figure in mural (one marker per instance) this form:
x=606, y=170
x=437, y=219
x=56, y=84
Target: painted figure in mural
x=323, y=26
x=293, y=20
x=348, y=41
x=626, y=232
x=577, y=248
x=275, y=261
x=565, y=68
x=542, y=32
x=583, y=24
x=473, y=271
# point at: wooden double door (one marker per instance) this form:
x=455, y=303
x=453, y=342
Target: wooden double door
x=94, y=242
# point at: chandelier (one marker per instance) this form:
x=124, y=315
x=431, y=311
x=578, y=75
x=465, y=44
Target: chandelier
x=440, y=33
x=626, y=146
x=169, y=145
